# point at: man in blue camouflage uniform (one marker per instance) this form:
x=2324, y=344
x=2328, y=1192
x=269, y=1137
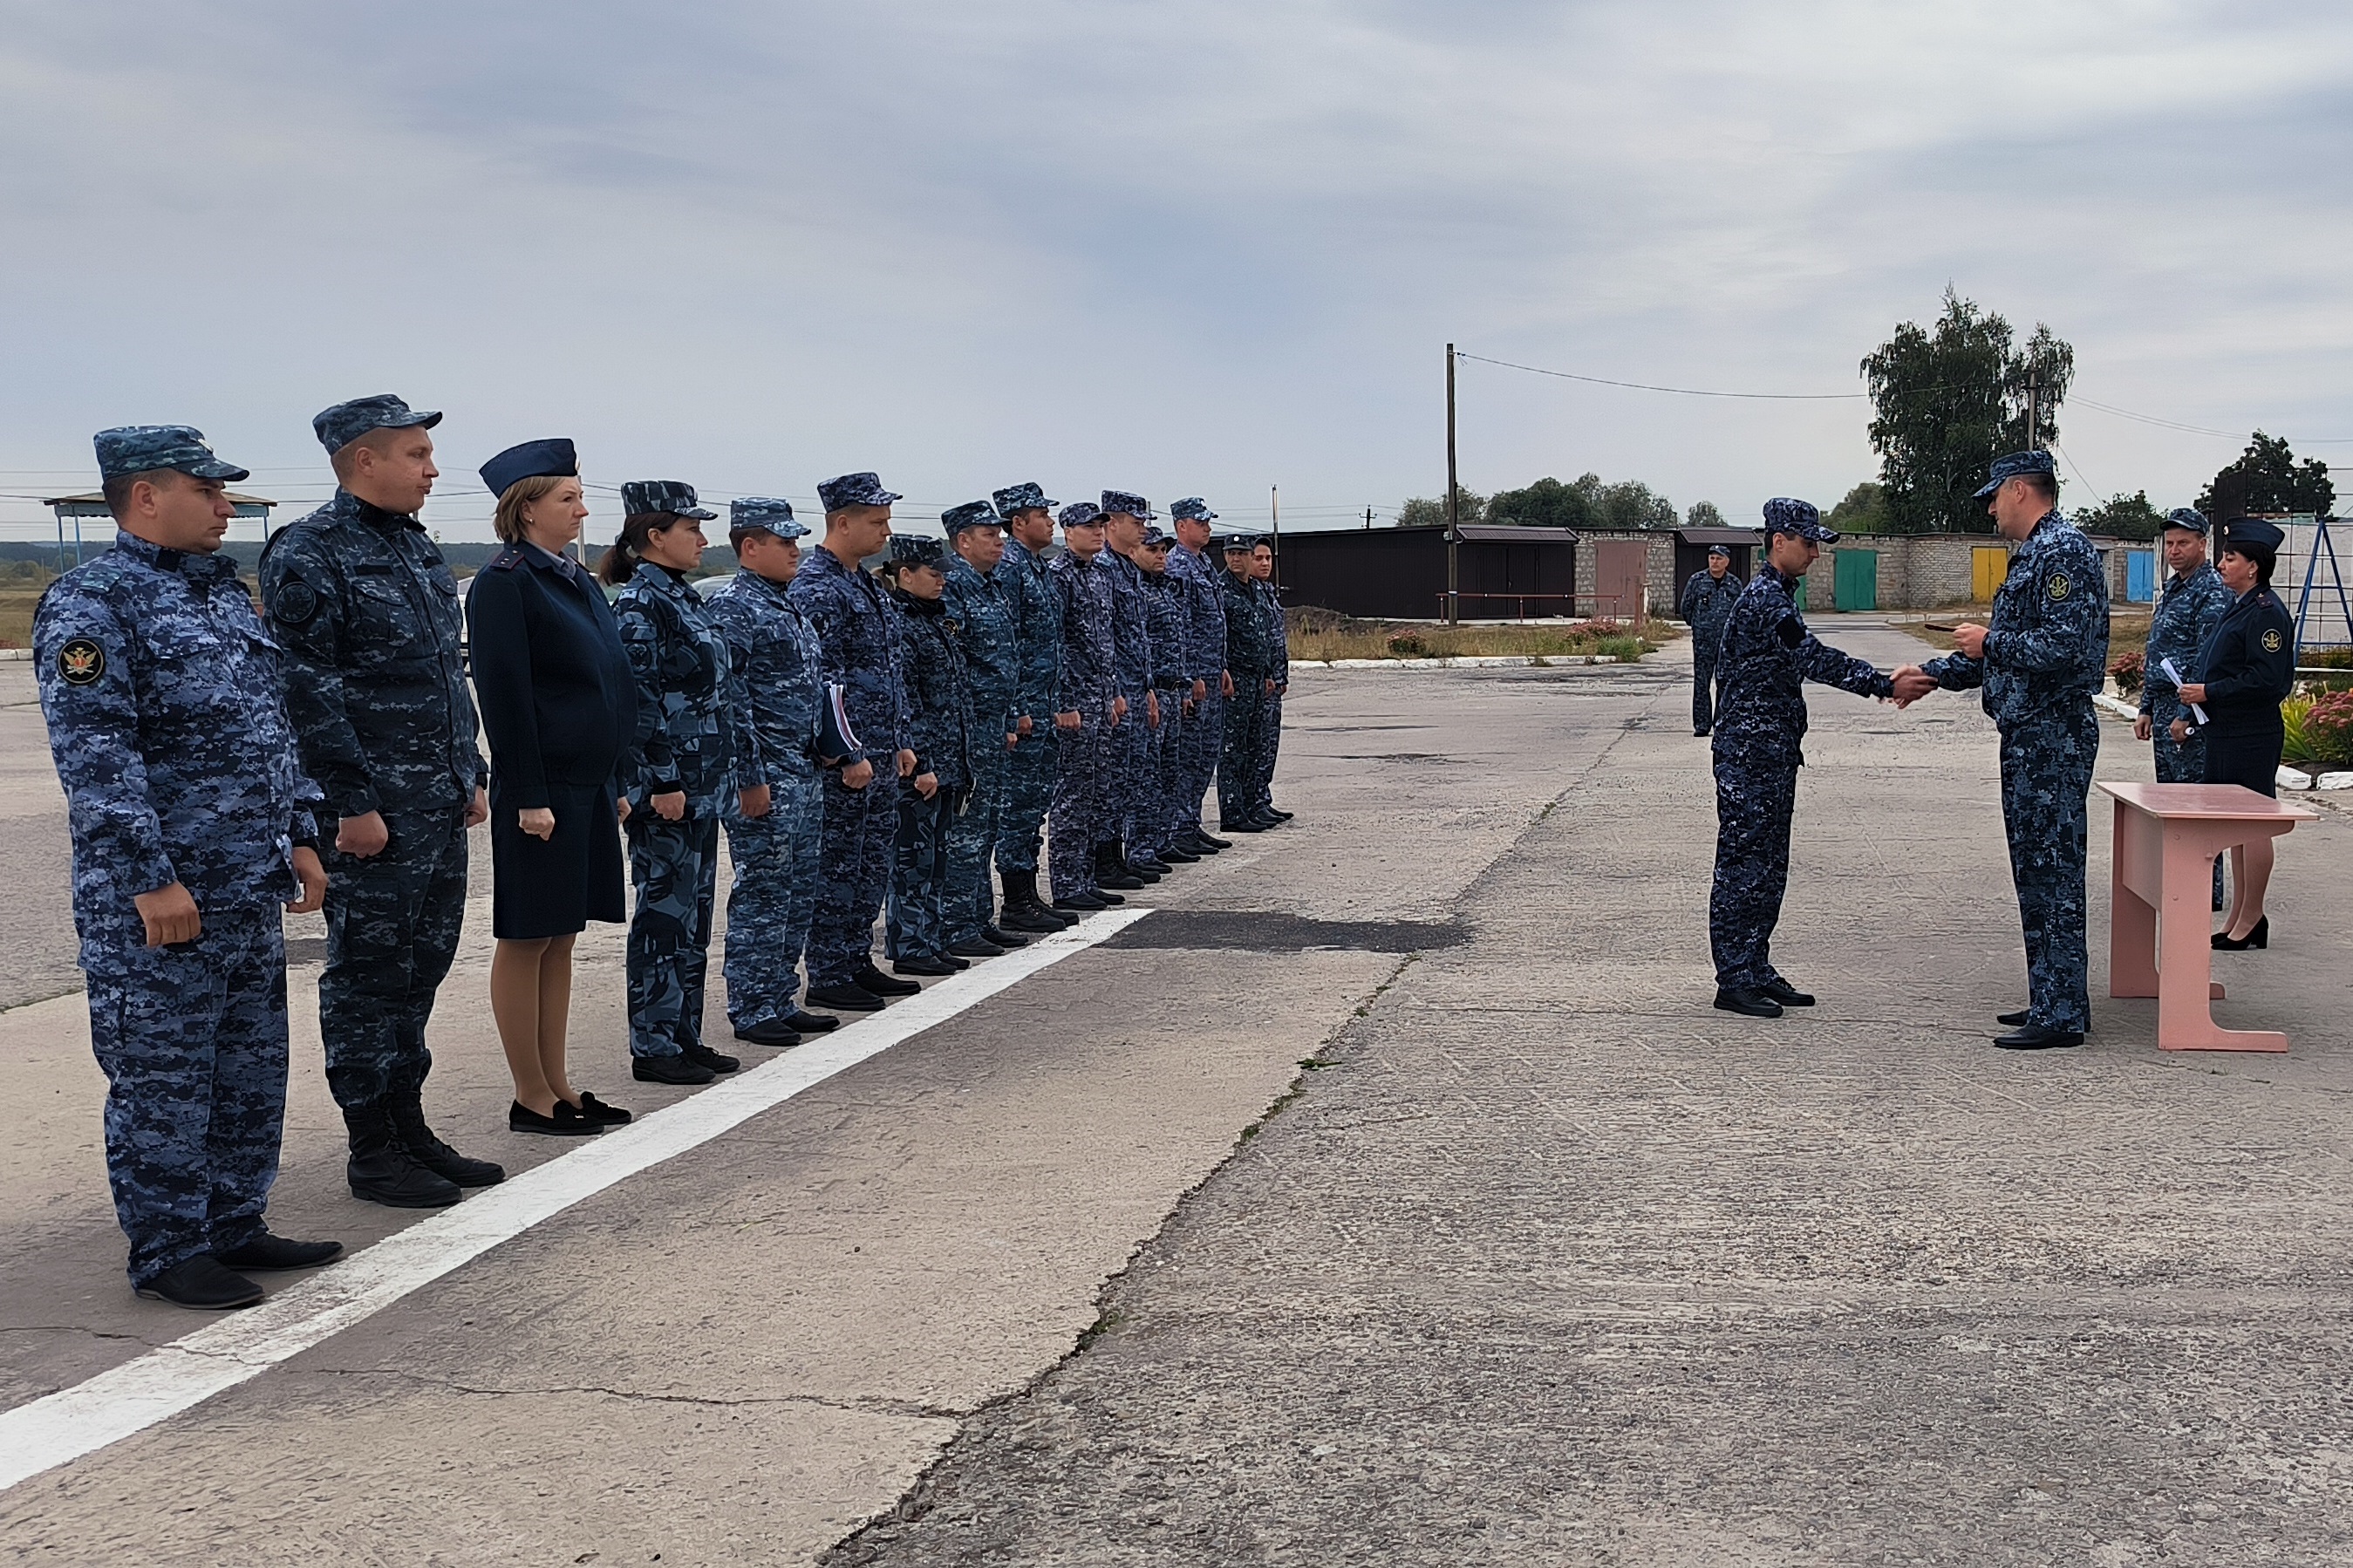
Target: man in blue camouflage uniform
x=192, y=824
x=2192, y=607
x=1203, y=729
x=777, y=664
x=1158, y=827
x=366, y=610
x=940, y=732
x=1088, y=687
x=1121, y=861
x=1029, y=775
x=1705, y=606
x=859, y=640
x=1761, y=730
x=1270, y=729
x=2038, y=665
x=1249, y=658
x=983, y=615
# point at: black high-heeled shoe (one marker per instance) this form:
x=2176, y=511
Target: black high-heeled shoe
x=2259, y=937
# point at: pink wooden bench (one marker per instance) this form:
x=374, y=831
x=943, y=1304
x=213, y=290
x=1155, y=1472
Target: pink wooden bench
x=2167, y=835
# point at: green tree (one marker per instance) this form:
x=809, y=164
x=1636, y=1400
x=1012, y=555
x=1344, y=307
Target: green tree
x=2268, y=478
x=1547, y=503
x=1422, y=512
x=1948, y=399
x=1864, y=511
x=1631, y=504
x=2123, y=516
x=1704, y=514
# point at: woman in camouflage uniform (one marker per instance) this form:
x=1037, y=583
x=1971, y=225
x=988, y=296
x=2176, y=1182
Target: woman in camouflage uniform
x=939, y=724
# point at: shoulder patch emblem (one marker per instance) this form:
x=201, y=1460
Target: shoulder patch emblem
x=80, y=662
x=296, y=602
x=2060, y=587
x=2273, y=641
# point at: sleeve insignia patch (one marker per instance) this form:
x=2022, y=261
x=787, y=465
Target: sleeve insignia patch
x=2273, y=641
x=296, y=603
x=2060, y=587
x=81, y=662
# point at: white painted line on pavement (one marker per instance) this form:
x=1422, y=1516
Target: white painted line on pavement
x=64, y=1426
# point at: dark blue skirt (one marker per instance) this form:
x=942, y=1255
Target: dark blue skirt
x=555, y=887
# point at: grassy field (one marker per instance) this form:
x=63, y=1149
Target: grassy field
x=16, y=615
x=1321, y=635
x=2127, y=625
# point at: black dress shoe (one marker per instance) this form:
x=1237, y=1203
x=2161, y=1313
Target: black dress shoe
x=2223, y=941
x=565, y=1121
x=928, y=966
x=811, y=1023
x=2035, y=1038
x=668, y=1069
x=1178, y=854
x=1741, y=999
x=953, y=962
x=883, y=984
x=975, y=947
x=1280, y=815
x=769, y=1032
x=717, y=1061
x=2012, y=1020
x=266, y=1252
x=1125, y=880
x=1151, y=863
x=1005, y=940
x=1242, y=825
x=843, y=999
x=595, y=1110
x=1081, y=904
x=201, y=1283
x=1787, y=994
x=1201, y=843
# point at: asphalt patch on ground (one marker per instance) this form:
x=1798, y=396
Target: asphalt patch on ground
x=1256, y=931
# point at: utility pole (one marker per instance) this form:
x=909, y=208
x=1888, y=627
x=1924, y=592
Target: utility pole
x=1368, y=519
x=2034, y=407
x=1274, y=515
x=1453, y=490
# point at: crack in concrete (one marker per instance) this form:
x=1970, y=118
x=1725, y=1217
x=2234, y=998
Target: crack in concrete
x=869, y=1404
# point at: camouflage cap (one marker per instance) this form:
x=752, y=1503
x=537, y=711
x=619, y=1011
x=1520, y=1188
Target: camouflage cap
x=2189, y=520
x=971, y=514
x=1786, y=514
x=1021, y=498
x=673, y=496
x=533, y=459
x=1082, y=514
x=1158, y=537
x=345, y=423
x=916, y=550
x=130, y=449
x=1192, y=509
x=2009, y=468
x=1723, y=550
x=1134, y=505
x=764, y=514
x=853, y=489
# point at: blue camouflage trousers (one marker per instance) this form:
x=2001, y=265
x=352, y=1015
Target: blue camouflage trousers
x=1754, y=798
x=1168, y=824
x=1236, y=757
x=393, y=922
x=1270, y=743
x=674, y=866
x=771, y=896
x=1125, y=745
x=861, y=826
x=1075, y=824
x=1147, y=814
x=2184, y=762
x=916, y=925
x=192, y=1038
x=2046, y=780
x=1204, y=736
x=1029, y=774
x=1705, y=648
x=971, y=900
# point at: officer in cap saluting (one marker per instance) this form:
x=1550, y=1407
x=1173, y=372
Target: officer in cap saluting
x=367, y=611
x=192, y=822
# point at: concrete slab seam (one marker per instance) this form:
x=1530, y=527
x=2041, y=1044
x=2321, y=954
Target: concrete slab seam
x=125, y=1400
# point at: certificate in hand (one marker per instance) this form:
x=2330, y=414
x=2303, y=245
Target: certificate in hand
x=2173, y=673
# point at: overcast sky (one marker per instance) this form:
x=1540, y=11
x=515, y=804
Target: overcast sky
x=1182, y=247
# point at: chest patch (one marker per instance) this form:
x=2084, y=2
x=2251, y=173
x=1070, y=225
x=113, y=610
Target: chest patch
x=2060, y=587
x=2273, y=640
x=80, y=662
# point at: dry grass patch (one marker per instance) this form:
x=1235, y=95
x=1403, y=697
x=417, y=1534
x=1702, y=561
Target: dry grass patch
x=1320, y=635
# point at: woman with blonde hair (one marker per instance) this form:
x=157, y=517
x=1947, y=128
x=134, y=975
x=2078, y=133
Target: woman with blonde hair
x=560, y=706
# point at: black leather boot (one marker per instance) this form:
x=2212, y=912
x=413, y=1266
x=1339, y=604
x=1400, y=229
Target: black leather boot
x=381, y=1170
x=407, y=1110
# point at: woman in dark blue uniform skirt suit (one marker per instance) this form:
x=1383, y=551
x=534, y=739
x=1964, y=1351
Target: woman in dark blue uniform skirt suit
x=2244, y=672
x=560, y=706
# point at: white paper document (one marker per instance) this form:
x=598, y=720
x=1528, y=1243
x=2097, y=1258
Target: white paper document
x=2173, y=673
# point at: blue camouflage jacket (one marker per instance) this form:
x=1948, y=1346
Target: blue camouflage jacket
x=1087, y=682
x=858, y=637
x=1196, y=578
x=2185, y=616
x=687, y=694
x=2047, y=647
x=1164, y=607
x=1767, y=657
x=366, y=612
x=1037, y=621
x=179, y=764
x=1131, y=630
x=1250, y=654
x=1706, y=605
x=778, y=678
x=939, y=697
x=986, y=621
x=1278, y=634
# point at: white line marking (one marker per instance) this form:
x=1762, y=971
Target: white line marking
x=64, y=1426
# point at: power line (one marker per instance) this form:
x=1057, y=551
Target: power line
x=1678, y=391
